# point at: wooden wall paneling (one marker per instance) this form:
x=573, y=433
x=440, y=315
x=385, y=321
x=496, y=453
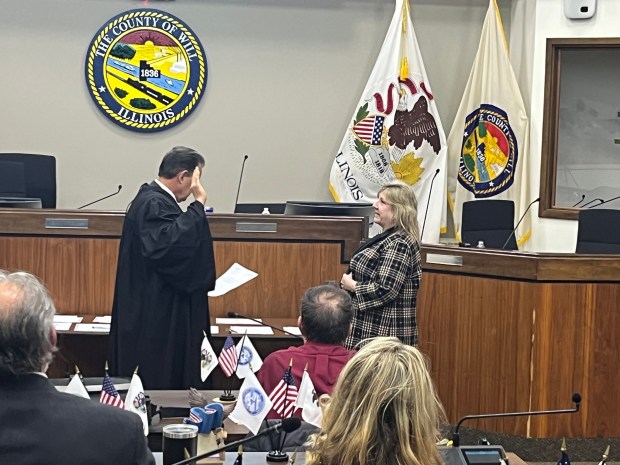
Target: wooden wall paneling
x=561, y=337
x=603, y=406
x=78, y=272
x=477, y=335
x=285, y=271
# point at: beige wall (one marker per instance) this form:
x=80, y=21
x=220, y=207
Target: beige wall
x=549, y=21
x=284, y=77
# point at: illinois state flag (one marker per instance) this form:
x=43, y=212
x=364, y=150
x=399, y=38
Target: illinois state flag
x=395, y=132
x=208, y=359
x=135, y=401
x=489, y=139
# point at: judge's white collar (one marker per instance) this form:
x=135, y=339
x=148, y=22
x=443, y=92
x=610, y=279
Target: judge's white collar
x=162, y=185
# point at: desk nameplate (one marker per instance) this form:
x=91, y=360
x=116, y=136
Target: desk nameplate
x=441, y=259
x=256, y=227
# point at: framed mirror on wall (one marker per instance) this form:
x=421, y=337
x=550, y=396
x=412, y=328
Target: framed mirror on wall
x=580, y=160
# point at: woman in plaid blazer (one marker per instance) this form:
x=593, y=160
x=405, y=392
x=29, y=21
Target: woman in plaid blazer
x=385, y=272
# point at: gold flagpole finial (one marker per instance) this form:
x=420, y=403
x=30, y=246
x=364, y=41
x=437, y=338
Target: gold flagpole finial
x=291, y=362
x=240, y=449
x=135, y=372
x=306, y=367
x=404, y=69
x=77, y=370
x=106, y=366
x=563, y=448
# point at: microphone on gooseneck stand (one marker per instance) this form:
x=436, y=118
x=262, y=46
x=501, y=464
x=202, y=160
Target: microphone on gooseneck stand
x=239, y=315
x=600, y=201
x=102, y=198
x=430, y=191
x=605, y=201
x=514, y=231
x=245, y=157
x=583, y=197
x=288, y=425
x=576, y=399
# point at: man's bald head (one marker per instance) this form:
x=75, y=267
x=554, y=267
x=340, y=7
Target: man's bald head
x=26, y=324
x=326, y=314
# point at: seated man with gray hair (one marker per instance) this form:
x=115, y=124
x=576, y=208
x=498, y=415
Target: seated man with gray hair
x=40, y=424
x=325, y=323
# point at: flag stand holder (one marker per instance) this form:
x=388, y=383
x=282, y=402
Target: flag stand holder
x=227, y=396
x=277, y=456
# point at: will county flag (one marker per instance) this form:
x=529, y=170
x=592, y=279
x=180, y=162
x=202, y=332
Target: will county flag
x=284, y=395
x=208, y=359
x=135, y=401
x=109, y=394
x=395, y=131
x=489, y=140
x=308, y=401
x=249, y=360
x=253, y=404
x=228, y=357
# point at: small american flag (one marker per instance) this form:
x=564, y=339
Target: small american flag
x=284, y=395
x=109, y=394
x=228, y=357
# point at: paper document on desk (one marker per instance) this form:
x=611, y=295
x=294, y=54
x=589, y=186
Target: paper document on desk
x=234, y=277
x=67, y=319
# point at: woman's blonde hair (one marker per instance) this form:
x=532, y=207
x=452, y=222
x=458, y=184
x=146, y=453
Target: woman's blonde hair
x=384, y=410
x=399, y=195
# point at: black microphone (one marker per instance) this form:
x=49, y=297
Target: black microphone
x=102, y=198
x=288, y=425
x=514, y=231
x=430, y=191
x=605, y=201
x=583, y=197
x=576, y=399
x=599, y=200
x=239, y=315
x=240, y=178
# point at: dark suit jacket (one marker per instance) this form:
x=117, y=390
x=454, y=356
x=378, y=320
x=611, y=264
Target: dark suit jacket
x=39, y=425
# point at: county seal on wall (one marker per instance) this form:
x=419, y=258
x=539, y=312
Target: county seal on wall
x=146, y=70
x=489, y=154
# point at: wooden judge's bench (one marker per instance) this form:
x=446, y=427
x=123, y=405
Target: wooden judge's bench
x=504, y=331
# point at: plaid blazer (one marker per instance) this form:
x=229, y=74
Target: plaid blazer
x=388, y=278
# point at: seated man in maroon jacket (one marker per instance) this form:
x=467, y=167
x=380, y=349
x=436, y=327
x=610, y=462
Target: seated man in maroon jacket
x=325, y=322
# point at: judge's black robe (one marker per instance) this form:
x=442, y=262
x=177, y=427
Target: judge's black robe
x=165, y=269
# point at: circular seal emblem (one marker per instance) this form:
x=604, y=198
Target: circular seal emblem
x=253, y=400
x=245, y=356
x=146, y=70
x=489, y=153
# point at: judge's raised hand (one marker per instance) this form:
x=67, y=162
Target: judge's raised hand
x=196, y=188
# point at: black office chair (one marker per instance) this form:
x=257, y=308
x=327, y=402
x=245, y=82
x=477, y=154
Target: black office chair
x=599, y=231
x=259, y=207
x=36, y=172
x=489, y=221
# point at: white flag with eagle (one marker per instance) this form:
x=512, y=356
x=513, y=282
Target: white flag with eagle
x=489, y=140
x=395, y=132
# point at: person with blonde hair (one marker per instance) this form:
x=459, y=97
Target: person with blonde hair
x=383, y=410
x=384, y=273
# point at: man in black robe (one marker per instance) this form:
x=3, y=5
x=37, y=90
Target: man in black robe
x=165, y=269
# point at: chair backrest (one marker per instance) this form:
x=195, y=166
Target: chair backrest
x=490, y=221
x=259, y=207
x=39, y=175
x=598, y=231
